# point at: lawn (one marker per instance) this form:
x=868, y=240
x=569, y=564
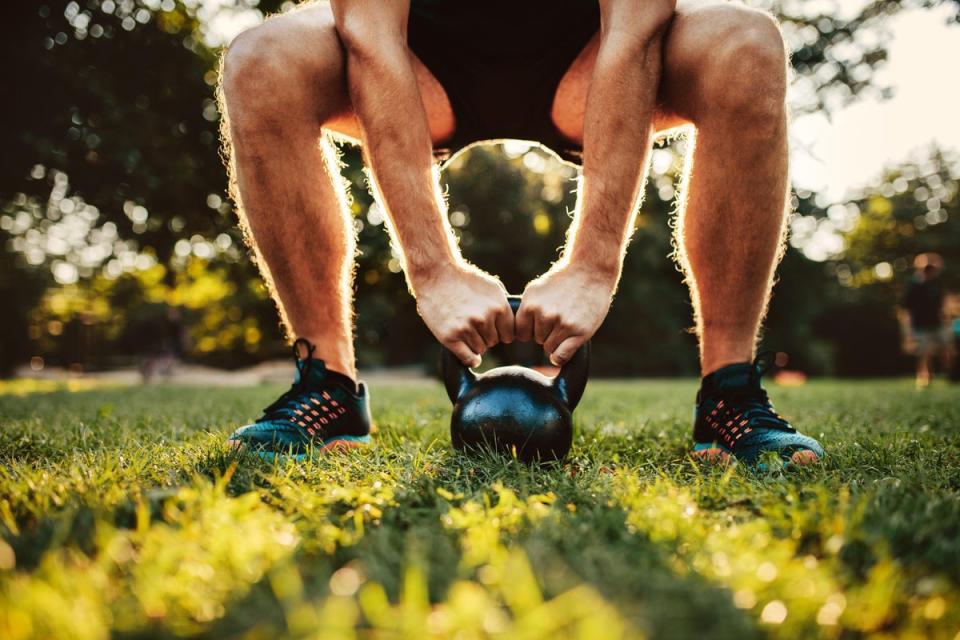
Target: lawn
x=123, y=514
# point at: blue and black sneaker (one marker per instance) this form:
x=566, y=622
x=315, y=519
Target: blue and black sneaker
x=734, y=417
x=322, y=410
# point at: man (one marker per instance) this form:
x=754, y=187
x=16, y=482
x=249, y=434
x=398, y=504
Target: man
x=923, y=322
x=412, y=78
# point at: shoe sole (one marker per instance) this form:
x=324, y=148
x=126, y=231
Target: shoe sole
x=716, y=454
x=337, y=444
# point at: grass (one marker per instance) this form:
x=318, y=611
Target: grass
x=123, y=514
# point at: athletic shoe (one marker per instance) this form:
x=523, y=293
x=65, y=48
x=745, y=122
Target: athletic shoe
x=734, y=417
x=322, y=410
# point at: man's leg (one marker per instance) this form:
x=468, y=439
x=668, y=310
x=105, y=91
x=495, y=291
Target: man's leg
x=283, y=83
x=733, y=201
x=928, y=348
x=923, y=370
x=724, y=72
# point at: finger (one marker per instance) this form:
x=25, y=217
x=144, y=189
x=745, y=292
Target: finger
x=543, y=327
x=487, y=331
x=523, y=324
x=464, y=354
x=505, y=325
x=564, y=352
x=553, y=341
x=474, y=341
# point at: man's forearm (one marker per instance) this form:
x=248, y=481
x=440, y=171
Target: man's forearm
x=616, y=140
x=467, y=310
x=396, y=141
x=903, y=318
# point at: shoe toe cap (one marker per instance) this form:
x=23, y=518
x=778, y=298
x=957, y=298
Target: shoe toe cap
x=792, y=447
x=266, y=436
x=797, y=448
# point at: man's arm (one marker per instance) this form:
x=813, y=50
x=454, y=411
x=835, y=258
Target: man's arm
x=908, y=341
x=466, y=309
x=563, y=308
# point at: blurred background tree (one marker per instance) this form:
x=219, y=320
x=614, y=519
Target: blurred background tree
x=112, y=208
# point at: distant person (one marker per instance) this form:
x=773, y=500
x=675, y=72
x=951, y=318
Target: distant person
x=416, y=81
x=926, y=334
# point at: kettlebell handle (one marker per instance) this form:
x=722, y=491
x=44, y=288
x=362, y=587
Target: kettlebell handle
x=569, y=383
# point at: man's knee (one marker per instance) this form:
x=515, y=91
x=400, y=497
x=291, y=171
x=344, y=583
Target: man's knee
x=275, y=71
x=745, y=74
x=252, y=66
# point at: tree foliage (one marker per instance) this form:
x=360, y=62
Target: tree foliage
x=111, y=174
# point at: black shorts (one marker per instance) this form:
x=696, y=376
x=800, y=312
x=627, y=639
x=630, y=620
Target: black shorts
x=500, y=62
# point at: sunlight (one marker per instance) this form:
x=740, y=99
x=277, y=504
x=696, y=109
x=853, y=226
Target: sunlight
x=852, y=147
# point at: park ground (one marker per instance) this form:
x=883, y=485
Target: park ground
x=122, y=513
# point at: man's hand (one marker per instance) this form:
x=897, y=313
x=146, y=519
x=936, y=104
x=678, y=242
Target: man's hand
x=564, y=307
x=466, y=309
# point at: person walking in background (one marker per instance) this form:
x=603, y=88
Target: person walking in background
x=922, y=320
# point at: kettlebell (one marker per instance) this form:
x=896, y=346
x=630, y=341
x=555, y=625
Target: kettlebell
x=515, y=408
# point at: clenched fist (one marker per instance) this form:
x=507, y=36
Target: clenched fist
x=563, y=308
x=466, y=309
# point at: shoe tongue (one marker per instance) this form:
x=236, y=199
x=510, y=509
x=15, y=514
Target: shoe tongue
x=310, y=372
x=317, y=376
x=734, y=377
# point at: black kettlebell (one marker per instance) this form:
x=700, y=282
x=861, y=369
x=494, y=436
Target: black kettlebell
x=515, y=408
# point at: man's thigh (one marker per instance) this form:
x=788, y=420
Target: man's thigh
x=696, y=28
x=307, y=38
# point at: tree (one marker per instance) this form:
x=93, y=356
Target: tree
x=118, y=97
x=111, y=167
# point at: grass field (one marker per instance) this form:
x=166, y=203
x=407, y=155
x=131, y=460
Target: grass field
x=123, y=514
